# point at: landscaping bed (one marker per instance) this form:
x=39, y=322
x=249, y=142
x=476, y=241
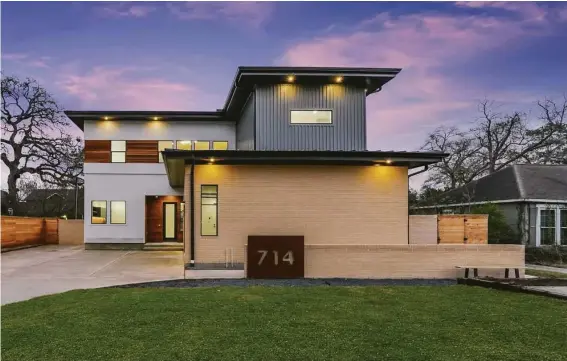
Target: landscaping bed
x=286, y=323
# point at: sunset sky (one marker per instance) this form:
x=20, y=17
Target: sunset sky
x=183, y=56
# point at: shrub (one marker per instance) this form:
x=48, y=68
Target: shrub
x=546, y=255
x=498, y=230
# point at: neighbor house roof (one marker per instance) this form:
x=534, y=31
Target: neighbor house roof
x=175, y=159
x=43, y=194
x=246, y=79
x=520, y=182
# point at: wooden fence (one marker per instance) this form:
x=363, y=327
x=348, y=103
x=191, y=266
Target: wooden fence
x=24, y=231
x=462, y=228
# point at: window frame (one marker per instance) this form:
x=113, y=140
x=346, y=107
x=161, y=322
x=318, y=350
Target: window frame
x=312, y=110
x=106, y=209
x=201, y=141
x=118, y=151
x=173, y=143
x=110, y=213
x=217, y=210
x=557, y=208
x=181, y=140
x=212, y=145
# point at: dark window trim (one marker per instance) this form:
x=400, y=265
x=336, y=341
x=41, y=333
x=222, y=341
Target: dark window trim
x=195, y=141
x=106, y=208
x=212, y=146
x=175, y=224
x=311, y=110
x=217, y=210
x=110, y=213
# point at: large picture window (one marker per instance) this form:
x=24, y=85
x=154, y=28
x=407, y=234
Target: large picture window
x=209, y=210
x=117, y=212
x=163, y=145
x=118, y=151
x=311, y=117
x=98, y=212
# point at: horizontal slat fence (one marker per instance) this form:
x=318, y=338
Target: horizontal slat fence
x=25, y=231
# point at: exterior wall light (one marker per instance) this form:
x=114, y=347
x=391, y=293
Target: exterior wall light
x=388, y=161
x=106, y=118
x=290, y=78
x=156, y=118
x=339, y=79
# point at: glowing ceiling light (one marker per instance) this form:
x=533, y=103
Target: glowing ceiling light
x=290, y=78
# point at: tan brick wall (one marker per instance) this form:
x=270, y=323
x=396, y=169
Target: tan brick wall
x=326, y=204
x=71, y=231
x=407, y=261
x=423, y=229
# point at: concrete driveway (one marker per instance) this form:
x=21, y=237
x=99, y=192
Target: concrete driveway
x=46, y=270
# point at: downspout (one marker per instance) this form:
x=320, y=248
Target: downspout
x=192, y=211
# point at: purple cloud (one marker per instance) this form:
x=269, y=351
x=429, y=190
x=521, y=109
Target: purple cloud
x=253, y=14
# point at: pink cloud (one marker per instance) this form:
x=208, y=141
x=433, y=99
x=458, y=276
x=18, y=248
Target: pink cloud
x=253, y=14
x=14, y=56
x=421, y=97
x=126, y=89
x=25, y=59
x=127, y=10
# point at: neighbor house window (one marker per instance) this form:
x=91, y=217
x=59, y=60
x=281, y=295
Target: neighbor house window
x=563, y=225
x=118, y=151
x=117, y=212
x=184, y=144
x=547, y=226
x=220, y=145
x=202, y=145
x=311, y=117
x=98, y=212
x=209, y=210
x=163, y=145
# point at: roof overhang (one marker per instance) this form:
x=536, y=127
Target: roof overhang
x=175, y=160
x=370, y=79
x=79, y=116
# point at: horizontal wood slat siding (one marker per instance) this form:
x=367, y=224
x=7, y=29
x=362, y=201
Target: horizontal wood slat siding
x=141, y=151
x=97, y=151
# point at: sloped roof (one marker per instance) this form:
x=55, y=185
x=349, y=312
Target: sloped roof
x=520, y=181
x=45, y=194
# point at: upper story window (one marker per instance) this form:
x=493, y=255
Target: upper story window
x=311, y=117
x=220, y=145
x=163, y=145
x=117, y=151
x=202, y=145
x=184, y=144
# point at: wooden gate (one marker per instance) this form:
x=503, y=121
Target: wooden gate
x=462, y=229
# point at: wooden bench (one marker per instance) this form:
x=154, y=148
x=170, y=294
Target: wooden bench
x=506, y=270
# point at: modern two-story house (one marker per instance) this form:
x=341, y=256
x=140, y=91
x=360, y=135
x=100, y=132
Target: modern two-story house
x=286, y=155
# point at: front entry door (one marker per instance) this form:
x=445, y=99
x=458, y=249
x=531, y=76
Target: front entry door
x=169, y=221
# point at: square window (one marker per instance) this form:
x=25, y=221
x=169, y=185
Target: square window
x=220, y=145
x=163, y=145
x=184, y=144
x=118, y=157
x=118, y=151
x=117, y=212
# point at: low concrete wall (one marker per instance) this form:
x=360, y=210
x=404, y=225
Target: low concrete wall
x=407, y=261
x=71, y=231
x=423, y=229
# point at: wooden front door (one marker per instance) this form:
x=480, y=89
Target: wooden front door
x=169, y=221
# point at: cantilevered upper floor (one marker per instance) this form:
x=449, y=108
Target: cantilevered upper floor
x=267, y=108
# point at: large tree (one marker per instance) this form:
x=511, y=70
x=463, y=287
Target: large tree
x=35, y=138
x=496, y=141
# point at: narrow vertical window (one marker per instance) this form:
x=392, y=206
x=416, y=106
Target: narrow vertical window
x=163, y=145
x=209, y=210
x=98, y=212
x=220, y=145
x=202, y=145
x=547, y=226
x=118, y=151
x=117, y=212
x=563, y=225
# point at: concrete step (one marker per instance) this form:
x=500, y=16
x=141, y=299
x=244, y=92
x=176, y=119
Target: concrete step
x=163, y=246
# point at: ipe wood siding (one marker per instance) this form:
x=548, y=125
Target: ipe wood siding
x=275, y=132
x=97, y=151
x=141, y=151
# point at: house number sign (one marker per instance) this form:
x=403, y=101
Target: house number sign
x=275, y=257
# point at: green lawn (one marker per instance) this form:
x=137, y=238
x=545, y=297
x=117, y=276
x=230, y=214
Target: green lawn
x=285, y=323
x=545, y=274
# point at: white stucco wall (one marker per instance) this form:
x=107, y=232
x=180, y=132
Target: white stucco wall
x=160, y=130
x=132, y=182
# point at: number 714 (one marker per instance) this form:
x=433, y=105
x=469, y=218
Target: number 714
x=288, y=257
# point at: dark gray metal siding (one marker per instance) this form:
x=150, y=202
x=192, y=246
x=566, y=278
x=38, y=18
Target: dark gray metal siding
x=275, y=132
x=245, y=126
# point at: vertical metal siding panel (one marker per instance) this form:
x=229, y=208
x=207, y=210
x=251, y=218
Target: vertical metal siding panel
x=274, y=131
x=245, y=126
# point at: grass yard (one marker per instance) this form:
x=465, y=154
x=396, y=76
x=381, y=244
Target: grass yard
x=545, y=274
x=286, y=323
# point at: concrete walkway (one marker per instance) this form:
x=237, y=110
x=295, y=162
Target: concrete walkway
x=546, y=268
x=47, y=270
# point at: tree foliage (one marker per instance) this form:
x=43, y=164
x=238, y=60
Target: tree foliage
x=35, y=138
